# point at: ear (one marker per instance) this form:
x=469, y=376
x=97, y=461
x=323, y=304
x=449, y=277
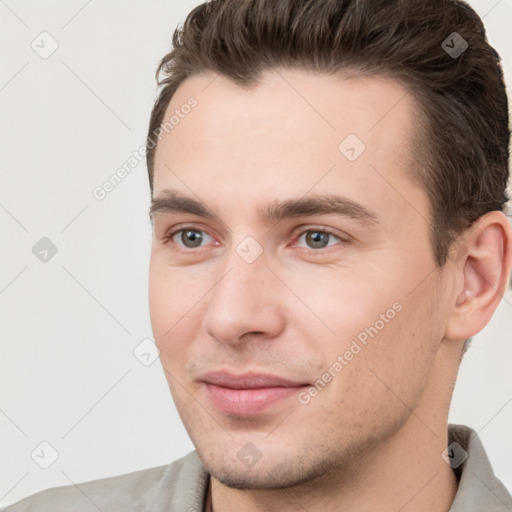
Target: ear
x=482, y=275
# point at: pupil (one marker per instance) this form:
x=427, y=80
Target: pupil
x=316, y=239
x=191, y=238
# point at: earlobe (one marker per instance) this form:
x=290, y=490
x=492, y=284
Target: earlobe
x=483, y=275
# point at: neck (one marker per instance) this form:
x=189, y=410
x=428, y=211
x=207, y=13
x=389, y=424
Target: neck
x=405, y=473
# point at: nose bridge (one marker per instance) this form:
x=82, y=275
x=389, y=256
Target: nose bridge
x=242, y=300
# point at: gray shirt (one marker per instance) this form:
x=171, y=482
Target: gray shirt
x=182, y=485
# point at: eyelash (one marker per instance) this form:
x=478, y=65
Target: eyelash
x=169, y=235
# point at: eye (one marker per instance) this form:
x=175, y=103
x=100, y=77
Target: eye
x=188, y=238
x=318, y=239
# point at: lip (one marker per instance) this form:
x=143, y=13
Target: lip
x=249, y=393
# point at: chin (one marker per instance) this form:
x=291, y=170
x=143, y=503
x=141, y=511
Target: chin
x=268, y=474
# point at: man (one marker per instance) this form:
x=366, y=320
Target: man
x=328, y=184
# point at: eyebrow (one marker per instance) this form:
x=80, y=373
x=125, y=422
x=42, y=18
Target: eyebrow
x=174, y=202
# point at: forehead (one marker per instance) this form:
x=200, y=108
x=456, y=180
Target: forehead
x=296, y=130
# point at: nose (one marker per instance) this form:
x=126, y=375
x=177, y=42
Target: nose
x=245, y=303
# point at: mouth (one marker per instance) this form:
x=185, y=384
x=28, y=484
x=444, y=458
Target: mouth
x=250, y=393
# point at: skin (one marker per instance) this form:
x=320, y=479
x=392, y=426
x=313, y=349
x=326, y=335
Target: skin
x=372, y=438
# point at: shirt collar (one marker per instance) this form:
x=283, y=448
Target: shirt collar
x=479, y=489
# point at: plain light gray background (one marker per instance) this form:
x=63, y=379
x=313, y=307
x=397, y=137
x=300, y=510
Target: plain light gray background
x=68, y=374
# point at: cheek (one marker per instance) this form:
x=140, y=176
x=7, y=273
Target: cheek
x=173, y=290
x=345, y=306
x=380, y=379
x=376, y=335
x=392, y=370
x=174, y=305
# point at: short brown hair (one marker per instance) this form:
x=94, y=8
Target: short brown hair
x=461, y=148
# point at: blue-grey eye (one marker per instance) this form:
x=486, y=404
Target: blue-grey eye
x=319, y=239
x=192, y=238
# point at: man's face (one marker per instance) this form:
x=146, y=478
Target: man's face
x=351, y=318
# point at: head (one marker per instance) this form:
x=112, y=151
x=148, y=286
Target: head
x=328, y=208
